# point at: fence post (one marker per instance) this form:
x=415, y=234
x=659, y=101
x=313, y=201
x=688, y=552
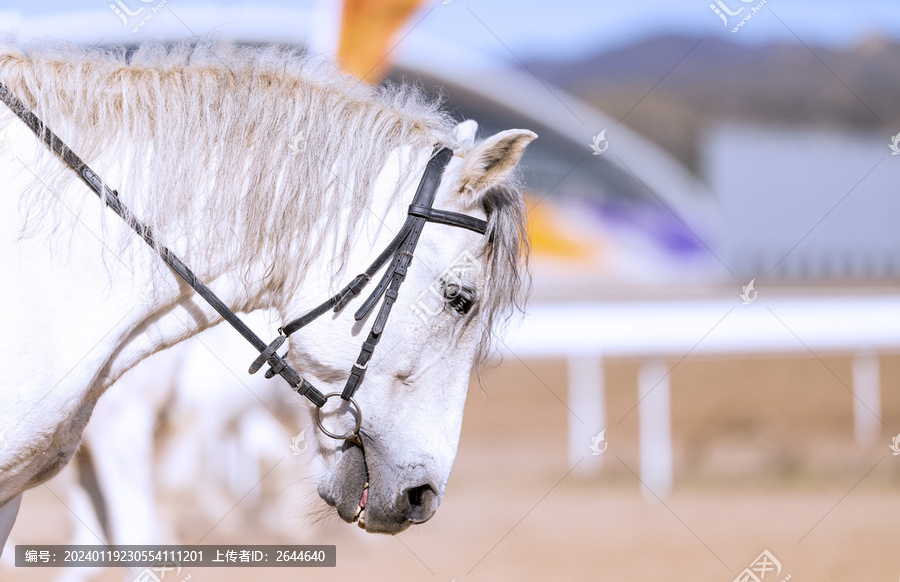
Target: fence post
x=655, y=428
x=587, y=402
x=867, y=398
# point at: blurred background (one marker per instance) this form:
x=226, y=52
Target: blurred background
x=710, y=360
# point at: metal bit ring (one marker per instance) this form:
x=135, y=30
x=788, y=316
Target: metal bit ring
x=353, y=435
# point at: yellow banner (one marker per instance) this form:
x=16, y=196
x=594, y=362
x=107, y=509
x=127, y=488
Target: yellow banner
x=368, y=28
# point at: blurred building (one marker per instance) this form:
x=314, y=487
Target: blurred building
x=794, y=142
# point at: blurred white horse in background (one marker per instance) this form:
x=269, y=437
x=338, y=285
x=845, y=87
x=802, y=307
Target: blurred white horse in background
x=197, y=143
x=186, y=419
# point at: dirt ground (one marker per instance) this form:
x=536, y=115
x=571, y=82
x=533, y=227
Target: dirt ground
x=765, y=459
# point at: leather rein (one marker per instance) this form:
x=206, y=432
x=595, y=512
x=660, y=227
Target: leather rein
x=399, y=252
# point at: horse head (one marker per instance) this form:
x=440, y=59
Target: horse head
x=412, y=397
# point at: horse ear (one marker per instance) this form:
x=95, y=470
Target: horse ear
x=465, y=132
x=491, y=162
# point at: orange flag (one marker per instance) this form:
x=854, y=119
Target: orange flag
x=368, y=28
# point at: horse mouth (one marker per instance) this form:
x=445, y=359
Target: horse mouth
x=360, y=517
x=347, y=488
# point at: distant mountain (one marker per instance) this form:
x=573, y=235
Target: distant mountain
x=670, y=87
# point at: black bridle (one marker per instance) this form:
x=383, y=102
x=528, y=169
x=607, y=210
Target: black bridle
x=399, y=252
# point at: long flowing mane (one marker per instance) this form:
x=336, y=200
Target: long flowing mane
x=221, y=120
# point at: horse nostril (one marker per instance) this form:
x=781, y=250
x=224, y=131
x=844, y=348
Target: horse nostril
x=418, y=495
x=417, y=504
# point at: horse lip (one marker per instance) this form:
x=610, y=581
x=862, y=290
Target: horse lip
x=376, y=526
x=348, y=481
x=326, y=495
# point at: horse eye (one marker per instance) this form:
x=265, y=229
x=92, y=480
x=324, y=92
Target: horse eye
x=458, y=298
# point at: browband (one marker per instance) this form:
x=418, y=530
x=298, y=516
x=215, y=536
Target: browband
x=448, y=218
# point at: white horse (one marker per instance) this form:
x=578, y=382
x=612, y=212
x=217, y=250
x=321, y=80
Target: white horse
x=276, y=180
x=112, y=498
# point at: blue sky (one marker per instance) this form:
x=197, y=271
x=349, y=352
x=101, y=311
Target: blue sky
x=527, y=28
x=567, y=27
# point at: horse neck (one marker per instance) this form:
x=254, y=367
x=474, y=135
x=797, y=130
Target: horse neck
x=166, y=309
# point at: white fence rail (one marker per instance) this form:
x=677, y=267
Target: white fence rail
x=585, y=333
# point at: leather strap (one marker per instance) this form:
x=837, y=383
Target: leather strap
x=448, y=218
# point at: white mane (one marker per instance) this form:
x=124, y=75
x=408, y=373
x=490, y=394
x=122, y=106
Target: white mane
x=222, y=121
